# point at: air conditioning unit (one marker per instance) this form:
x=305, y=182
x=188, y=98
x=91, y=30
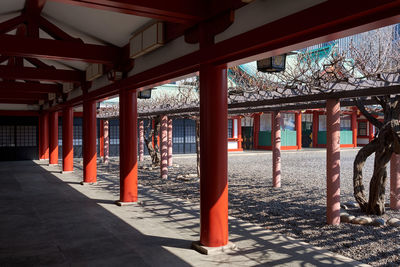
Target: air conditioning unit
x=146, y=40
x=68, y=87
x=93, y=72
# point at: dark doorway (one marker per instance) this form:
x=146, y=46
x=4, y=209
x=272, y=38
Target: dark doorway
x=19, y=138
x=306, y=134
x=247, y=135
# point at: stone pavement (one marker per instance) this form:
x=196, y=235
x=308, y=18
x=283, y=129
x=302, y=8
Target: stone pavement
x=48, y=218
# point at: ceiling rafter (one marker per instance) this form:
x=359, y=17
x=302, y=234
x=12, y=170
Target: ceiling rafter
x=16, y=95
x=34, y=7
x=56, y=49
x=38, y=63
x=18, y=101
x=30, y=45
x=34, y=74
x=55, y=31
x=178, y=11
x=29, y=87
x=12, y=24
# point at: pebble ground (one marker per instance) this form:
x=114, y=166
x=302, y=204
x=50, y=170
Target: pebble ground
x=296, y=209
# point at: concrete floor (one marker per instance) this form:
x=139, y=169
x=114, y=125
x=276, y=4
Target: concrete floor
x=48, y=218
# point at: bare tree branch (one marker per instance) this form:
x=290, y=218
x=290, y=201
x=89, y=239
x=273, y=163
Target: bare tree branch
x=370, y=118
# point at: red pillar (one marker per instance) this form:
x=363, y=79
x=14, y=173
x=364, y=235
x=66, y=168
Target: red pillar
x=67, y=136
x=44, y=136
x=256, y=130
x=164, y=147
x=89, y=142
x=395, y=182
x=298, y=130
x=370, y=131
x=53, y=138
x=354, y=126
x=214, y=156
x=141, y=140
x=333, y=161
x=170, y=142
x=315, y=129
x=128, y=146
x=276, y=149
x=106, y=142
x=101, y=137
x=240, y=140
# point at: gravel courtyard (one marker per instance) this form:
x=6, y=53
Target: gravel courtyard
x=297, y=209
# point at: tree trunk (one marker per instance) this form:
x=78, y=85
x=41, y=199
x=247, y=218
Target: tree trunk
x=198, y=145
x=362, y=155
x=376, y=203
x=155, y=160
x=383, y=148
x=148, y=139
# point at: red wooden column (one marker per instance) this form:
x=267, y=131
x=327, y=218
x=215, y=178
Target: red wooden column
x=276, y=149
x=170, y=143
x=141, y=140
x=370, y=131
x=395, y=182
x=89, y=142
x=67, y=136
x=106, y=142
x=240, y=139
x=315, y=129
x=256, y=130
x=44, y=136
x=354, y=126
x=333, y=161
x=101, y=137
x=53, y=144
x=128, y=146
x=298, y=130
x=164, y=147
x=214, y=156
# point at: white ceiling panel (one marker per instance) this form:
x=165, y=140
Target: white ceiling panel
x=109, y=27
x=11, y=6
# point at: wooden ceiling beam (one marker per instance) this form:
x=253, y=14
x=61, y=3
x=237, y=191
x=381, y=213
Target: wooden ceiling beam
x=23, y=87
x=11, y=24
x=34, y=74
x=18, y=101
x=178, y=11
x=58, y=50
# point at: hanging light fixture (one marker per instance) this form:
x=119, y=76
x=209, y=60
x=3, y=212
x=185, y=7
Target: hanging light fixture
x=146, y=94
x=272, y=64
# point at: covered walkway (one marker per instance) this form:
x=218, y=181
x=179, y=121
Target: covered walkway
x=48, y=218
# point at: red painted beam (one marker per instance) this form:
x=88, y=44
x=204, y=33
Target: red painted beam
x=58, y=50
x=34, y=7
x=18, y=101
x=179, y=11
x=34, y=74
x=29, y=87
x=23, y=96
x=19, y=113
x=39, y=64
x=56, y=32
x=11, y=24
